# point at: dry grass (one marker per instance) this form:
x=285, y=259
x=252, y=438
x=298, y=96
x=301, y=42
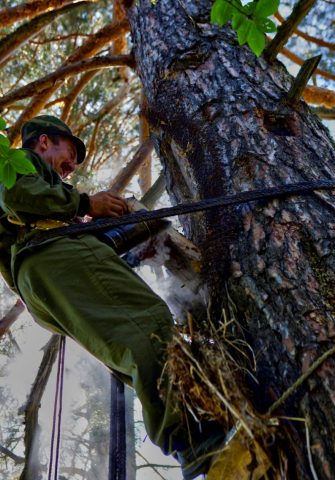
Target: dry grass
x=207, y=373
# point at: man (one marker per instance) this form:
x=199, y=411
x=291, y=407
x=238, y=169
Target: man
x=78, y=286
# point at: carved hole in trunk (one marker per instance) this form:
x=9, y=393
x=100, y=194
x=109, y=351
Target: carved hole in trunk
x=280, y=124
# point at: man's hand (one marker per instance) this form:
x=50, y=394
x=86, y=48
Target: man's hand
x=105, y=204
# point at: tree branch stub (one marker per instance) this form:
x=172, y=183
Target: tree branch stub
x=301, y=80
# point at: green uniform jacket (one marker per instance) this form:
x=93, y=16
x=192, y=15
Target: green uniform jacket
x=34, y=196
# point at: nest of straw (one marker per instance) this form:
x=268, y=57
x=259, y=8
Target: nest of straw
x=207, y=373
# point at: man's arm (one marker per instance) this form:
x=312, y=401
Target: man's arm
x=44, y=195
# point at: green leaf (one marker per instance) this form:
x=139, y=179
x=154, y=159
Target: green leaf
x=2, y=124
x=266, y=25
x=256, y=40
x=20, y=162
x=4, y=142
x=265, y=8
x=7, y=175
x=243, y=31
x=250, y=7
x=237, y=20
x=4, y=149
x=221, y=12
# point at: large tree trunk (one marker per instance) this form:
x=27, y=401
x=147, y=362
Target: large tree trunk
x=221, y=126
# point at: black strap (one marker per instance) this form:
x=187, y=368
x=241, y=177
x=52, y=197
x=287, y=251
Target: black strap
x=300, y=188
x=117, y=447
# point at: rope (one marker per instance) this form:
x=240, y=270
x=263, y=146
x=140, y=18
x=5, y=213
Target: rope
x=300, y=380
x=299, y=188
x=58, y=405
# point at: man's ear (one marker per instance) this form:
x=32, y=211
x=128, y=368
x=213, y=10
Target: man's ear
x=43, y=142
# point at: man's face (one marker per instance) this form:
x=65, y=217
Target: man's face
x=62, y=156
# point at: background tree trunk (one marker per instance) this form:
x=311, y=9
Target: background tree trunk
x=221, y=125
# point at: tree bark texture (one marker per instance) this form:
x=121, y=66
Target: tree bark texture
x=221, y=125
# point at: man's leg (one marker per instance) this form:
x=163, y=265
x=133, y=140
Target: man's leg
x=81, y=288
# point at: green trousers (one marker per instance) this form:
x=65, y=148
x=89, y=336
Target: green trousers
x=81, y=288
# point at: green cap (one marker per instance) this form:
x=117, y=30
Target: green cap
x=52, y=125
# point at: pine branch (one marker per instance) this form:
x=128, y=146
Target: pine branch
x=284, y=32
x=309, y=38
x=299, y=61
x=27, y=10
x=60, y=38
x=10, y=454
x=120, y=44
x=319, y=96
x=107, y=108
x=124, y=177
x=325, y=113
x=27, y=31
x=57, y=78
x=77, y=89
x=93, y=45
x=7, y=321
x=151, y=465
x=62, y=73
x=96, y=42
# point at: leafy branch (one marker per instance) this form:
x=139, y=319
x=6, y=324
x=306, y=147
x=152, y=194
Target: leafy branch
x=13, y=161
x=250, y=21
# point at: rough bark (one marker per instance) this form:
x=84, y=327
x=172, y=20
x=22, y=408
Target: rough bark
x=221, y=126
x=145, y=177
